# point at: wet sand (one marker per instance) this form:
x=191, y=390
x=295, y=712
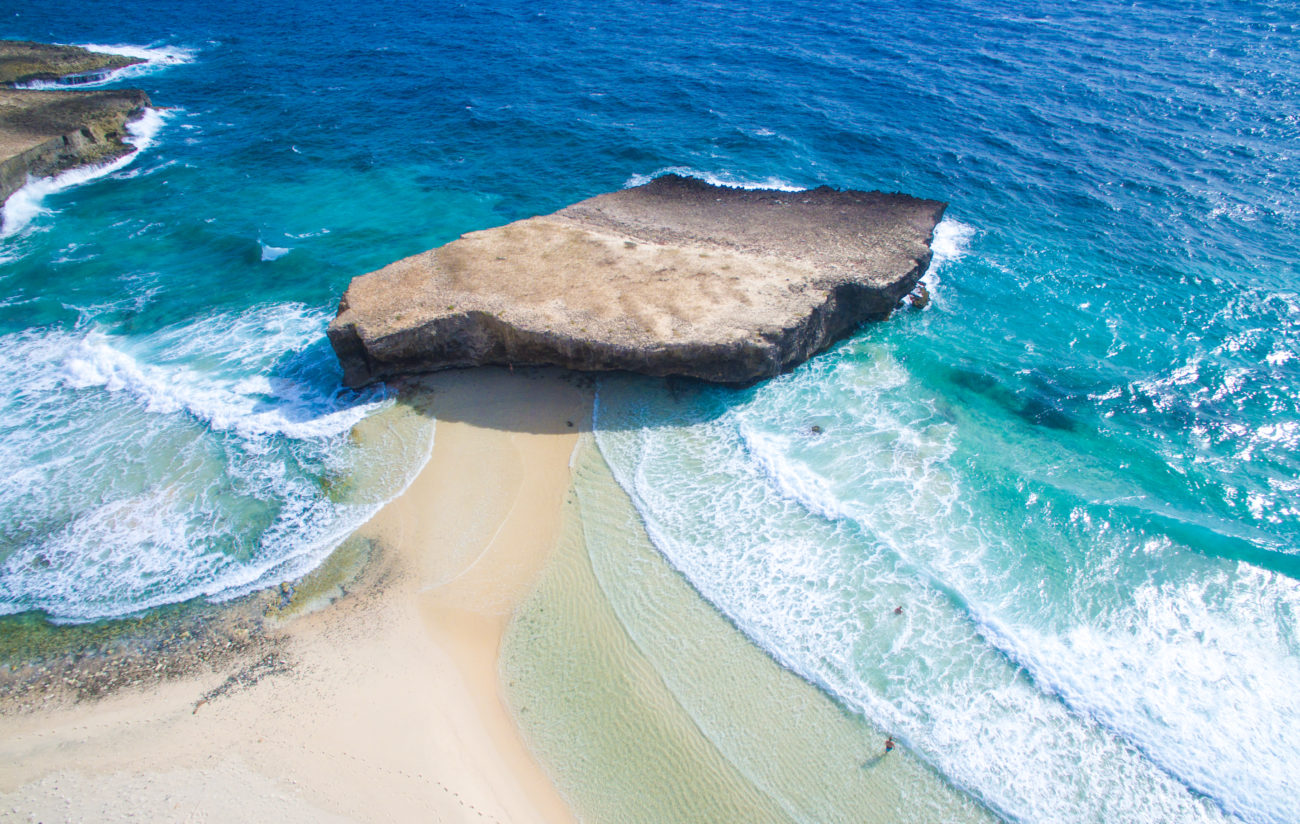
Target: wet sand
x=648, y=705
x=500, y=643
x=380, y=706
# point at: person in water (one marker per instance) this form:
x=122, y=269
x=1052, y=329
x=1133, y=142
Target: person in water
x=889, y=747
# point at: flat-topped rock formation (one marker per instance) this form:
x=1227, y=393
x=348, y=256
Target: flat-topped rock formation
x=675, y=277
x=43, y=133
x=22, y=61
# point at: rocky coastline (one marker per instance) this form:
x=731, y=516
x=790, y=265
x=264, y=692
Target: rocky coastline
x=675, y=277
x=23, y=61
x=45, y=132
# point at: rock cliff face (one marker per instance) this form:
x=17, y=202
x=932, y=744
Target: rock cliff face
x=45, y=132
x=675, y=277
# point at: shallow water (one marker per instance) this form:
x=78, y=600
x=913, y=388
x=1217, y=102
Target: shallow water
x=1076, y=470
x=648, y=705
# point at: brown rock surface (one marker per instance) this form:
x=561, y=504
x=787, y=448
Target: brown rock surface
x=676, y=277
x=22, y=61
x=43, y=133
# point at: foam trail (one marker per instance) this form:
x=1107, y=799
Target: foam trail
x=951, y=243
x=249, y=405
x=727, y=179
x=1193, y=666
x=209, y=459
x=1233, y=679
x=1200, y=686
x=156, y=59
x=818, y=591
x=309, y=554
x=257, y=405
x=26, y=204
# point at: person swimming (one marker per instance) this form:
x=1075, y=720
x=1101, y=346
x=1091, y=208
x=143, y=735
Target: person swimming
x=889, y=744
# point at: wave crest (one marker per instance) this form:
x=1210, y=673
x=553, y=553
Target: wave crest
x=728, y=179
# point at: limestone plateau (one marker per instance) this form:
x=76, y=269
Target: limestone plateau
x=43, y=133
x=675, y=277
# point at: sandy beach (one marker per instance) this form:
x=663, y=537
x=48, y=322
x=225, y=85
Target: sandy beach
x=501, y=642
x=380, y=706
x=1039, y=526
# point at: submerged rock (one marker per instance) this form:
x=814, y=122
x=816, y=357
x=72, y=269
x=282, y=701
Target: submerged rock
x=920, y=298
x=676, y=277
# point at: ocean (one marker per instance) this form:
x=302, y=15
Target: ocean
x=1077, y=470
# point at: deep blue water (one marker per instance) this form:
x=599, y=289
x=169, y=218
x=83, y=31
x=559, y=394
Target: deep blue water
x=1079, y=467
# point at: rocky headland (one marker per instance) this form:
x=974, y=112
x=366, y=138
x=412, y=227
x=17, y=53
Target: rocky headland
x=42, y=132
x=675, y=277
x=22, y=61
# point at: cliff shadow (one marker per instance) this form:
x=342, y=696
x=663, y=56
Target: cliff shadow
x=552, y=400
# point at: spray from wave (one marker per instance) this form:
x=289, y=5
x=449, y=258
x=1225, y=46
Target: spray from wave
x=155, y=58
x=951, y=242
x=208, y=458
x=28, y=203
x=727, y=179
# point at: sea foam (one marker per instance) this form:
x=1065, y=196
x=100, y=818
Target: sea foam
x=28, y=203
x=155, y=57
x=1189, y=668
x=951, y=242
x=208, y=458
x=808, y=540
x=728, y=179
x=270, y=253
x=250, y=406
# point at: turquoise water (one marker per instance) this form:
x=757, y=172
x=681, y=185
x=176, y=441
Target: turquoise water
x=1077, y=470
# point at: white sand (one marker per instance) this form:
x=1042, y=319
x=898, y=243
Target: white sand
x=390, y=710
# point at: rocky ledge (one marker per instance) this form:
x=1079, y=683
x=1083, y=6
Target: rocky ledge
x=43, y=133
x=676, y=277
x=22, y=61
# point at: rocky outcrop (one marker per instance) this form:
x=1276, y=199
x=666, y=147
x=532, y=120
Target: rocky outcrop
x=22, y=61
x=43, y=133
x=675, y=277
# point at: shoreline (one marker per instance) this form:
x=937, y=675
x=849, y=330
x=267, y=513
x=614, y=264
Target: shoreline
x=49, y=130
x=500, y=642
x=379, y=704
x=649, y=704
x=46, y=133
